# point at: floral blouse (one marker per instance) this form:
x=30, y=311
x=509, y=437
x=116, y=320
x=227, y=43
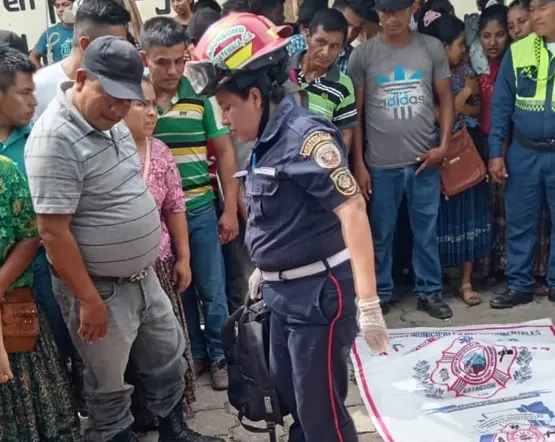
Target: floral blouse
x=164, y=184
x=458, y=78
x=17, y=218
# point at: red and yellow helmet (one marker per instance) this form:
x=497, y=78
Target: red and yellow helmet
x=235, y=43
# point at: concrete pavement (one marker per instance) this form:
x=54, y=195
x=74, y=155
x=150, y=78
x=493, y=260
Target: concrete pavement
x=213, y=415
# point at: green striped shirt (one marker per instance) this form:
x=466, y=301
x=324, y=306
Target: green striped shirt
x=331, y=96
x=186, y=126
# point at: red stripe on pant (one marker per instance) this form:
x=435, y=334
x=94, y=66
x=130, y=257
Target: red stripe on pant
x=330, y=353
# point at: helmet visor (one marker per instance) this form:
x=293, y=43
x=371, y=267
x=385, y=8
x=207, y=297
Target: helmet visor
x=206, y=77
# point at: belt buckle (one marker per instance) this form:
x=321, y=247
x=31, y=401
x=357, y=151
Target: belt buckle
x=139, y=276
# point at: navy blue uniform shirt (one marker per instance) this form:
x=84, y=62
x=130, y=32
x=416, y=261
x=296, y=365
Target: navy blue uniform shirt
x=298, y=175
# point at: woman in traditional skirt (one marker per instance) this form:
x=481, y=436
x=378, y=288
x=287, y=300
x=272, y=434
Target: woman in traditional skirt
x=464, y=223
x=162, y=178
x=36, y=403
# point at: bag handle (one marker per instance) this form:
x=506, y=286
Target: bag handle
x=270, y=428
x=147, y=159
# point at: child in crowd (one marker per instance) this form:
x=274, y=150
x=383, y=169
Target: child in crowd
x=464, y=223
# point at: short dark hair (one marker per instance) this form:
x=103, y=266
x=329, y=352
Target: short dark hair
x=331, y=20
x=233, y=6
x=13, y=62
x=94, y=14
x=359, y=7
x=307, y=10
x=162, y=32
x=258, y=7
x=212, y=4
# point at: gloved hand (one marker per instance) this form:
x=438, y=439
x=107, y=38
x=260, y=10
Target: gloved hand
x=372, y=326
x=254, y=285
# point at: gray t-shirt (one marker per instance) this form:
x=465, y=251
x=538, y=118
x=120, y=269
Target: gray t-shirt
x=399, y=97
x=75, y=170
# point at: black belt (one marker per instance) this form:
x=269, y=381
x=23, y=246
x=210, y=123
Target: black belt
x=546, y=145
x=118, y=280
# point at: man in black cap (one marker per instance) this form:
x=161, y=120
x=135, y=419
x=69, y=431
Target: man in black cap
x=396, y=76
x=12, y=40
x=101, y=228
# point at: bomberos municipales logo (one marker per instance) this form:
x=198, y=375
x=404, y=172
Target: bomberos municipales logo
x=524, y=433
x=470, y=368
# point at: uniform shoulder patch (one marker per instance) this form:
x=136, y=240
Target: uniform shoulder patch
x=314, y=140
x=327, y=156
x=344, y=181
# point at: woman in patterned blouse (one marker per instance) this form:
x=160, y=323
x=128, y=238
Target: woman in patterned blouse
x=162, y=178
x=35, y=396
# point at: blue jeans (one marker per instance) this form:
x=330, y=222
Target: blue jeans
x=207, y=268
x=423, y=197
x=42, y=286
x=531, y=179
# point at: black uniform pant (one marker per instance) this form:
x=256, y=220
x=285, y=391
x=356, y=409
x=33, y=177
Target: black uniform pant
x=313, y=327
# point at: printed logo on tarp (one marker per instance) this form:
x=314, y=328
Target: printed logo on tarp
x=528, y=423
x=469, y=368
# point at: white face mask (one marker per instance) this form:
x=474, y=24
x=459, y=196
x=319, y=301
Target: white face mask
x=68, y=16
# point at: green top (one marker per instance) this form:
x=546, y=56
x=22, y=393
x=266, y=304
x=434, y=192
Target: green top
x=186, y=126
x=14, y=147
x=17, y=218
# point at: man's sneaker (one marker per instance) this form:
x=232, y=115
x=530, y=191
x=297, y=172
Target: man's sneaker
x=174, y=429
x=219, y=375
x=201, y=366
x=434, y=305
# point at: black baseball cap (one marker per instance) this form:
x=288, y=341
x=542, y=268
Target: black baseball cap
x=199, y=23
x=118, y=66
x=9, y=39
x=393, y=4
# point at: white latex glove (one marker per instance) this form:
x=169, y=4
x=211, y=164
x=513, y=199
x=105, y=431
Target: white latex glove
x=373, y=327
x=254, y=285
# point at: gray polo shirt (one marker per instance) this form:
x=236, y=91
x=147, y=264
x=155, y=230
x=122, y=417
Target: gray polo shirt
x=74, y=169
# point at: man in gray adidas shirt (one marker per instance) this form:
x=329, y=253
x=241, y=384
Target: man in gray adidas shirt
x=101, y=229
x=396, y=75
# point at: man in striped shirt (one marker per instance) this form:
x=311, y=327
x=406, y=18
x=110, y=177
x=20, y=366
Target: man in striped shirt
x=186, y=123
x=330, y=93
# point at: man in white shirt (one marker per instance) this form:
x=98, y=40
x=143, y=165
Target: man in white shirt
x=94, y=18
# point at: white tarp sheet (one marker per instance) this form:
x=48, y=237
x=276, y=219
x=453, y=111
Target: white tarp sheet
x=489, y=383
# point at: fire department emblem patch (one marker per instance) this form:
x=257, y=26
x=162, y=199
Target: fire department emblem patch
x=470, y=368
x=474, y=369
x=524, y=433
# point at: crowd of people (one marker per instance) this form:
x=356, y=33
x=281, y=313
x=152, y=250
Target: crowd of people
x=124, y=214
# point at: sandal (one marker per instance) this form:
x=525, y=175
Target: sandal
x=468, y=295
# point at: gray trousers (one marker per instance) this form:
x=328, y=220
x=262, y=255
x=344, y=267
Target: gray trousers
x=141, y=327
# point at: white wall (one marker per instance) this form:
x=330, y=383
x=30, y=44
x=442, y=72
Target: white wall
x=463, y=7
x=31, y=17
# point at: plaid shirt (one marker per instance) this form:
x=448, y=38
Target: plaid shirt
x=343, y=59
x=296, y=45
